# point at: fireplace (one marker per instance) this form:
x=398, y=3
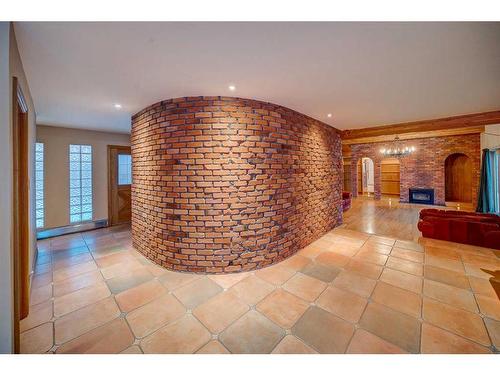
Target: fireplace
x=422, y=196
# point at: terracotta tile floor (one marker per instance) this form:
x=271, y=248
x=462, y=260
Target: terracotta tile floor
x=348, y=292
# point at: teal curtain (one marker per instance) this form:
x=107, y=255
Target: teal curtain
x=488, y=200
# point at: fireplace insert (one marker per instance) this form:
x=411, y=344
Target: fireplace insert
x=422, y=196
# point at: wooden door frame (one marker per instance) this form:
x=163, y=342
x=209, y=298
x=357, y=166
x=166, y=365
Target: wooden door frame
x=361, y=178
x=111, y=178
x=20, y=208
x=359, y=175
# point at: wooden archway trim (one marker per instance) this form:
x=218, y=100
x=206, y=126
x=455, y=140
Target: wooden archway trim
x=458, y=178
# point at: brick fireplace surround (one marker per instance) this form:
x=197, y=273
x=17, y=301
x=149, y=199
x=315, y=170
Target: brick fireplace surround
x=425, y=168
x=228, y=184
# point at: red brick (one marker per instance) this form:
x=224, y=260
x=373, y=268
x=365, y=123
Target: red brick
x=228, y=184
x=425, y=167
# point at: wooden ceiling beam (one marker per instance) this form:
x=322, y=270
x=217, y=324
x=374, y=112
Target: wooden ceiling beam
x=415, y=135
x=428, y=128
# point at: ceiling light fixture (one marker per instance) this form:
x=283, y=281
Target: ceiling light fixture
x=117, y=105
x=396, y=150
x=232, y=87
x=329, y=115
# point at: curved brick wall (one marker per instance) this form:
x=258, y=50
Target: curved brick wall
x=227, y=184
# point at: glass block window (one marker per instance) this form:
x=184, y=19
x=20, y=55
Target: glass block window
x=80, y=183
x=124, y=169
x=39, y=191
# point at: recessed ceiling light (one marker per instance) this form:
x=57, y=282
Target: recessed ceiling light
x=117, y=106
x=232, y=87
x=329, y=115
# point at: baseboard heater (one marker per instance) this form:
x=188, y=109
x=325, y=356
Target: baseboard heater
x=69, y=229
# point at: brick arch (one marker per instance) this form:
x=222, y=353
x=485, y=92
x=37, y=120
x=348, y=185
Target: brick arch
x=358, y=154
x=475, y=161
x=453, y=151
x=444, y=169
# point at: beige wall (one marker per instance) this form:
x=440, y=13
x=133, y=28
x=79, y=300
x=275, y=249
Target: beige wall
x=491, y=137
x=57, y=141
x=11, y=66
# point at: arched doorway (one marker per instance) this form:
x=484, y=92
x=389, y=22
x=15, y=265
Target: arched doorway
x=458, y=178
x=366, y=174
x=390, y=177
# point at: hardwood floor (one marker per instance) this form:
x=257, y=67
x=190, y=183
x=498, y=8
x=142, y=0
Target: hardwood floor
x=386, y=217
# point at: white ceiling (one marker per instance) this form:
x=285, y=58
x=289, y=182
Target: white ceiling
x=365, y=74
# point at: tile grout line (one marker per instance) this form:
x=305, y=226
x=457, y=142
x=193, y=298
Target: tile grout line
x=481, y=315
x=99, y=326
x=281, y=286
